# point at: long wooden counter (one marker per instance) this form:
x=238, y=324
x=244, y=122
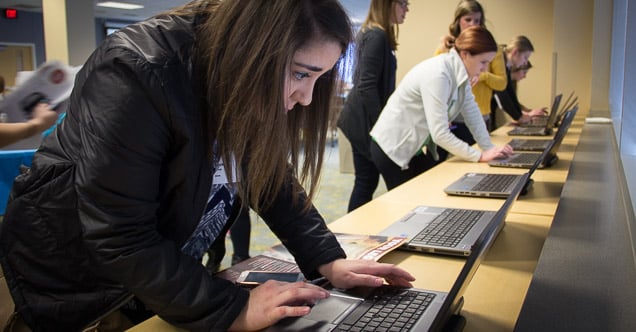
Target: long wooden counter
x=496, y=294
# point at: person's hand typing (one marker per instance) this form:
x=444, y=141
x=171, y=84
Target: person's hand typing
x=345, y=273
x=275, y=300
x=538, y=112
x=498, y=152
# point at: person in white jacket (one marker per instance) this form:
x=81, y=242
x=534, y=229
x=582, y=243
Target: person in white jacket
x=416, y=117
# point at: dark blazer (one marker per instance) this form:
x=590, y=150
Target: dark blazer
x=373, y=83
x=118, y=188
x=508, y=98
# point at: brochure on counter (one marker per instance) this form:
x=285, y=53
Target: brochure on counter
x=279, y=259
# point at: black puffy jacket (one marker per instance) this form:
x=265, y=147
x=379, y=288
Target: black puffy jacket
x=117, y=189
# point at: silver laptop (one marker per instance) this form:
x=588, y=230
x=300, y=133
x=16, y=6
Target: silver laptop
x=493, y=185
x=537, y=145
x=528, y=159
x=544, y=130
x=519, y=144
x=483, y=185
x=389, y=308
x=446, y=231
x=542, y=121
x=569, y=103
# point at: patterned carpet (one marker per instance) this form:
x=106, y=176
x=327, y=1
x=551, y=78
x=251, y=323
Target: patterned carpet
x=331, y=201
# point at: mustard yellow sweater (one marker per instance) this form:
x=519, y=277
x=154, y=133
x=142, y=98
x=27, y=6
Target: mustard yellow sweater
x=493, y=79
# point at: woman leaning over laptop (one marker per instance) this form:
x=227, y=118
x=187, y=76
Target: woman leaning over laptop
x=417, y=116
x=173, y=125
x=516, y=54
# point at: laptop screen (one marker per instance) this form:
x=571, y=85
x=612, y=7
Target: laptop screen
x=554, y=110
x=454, y=298
x=560, y=135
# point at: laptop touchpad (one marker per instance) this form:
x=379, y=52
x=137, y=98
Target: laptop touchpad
x=331, y=308
x=322, y=318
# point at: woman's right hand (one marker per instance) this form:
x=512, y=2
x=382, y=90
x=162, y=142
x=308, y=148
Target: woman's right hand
x=498, y=152
x=275, y=300
x=537, y=112
x=525, y=118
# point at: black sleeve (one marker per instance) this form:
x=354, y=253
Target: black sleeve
x=304, y=234
x=509, y=101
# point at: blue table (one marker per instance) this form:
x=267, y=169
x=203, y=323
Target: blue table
x=10, y=161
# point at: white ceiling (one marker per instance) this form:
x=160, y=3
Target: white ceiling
x=357, y=9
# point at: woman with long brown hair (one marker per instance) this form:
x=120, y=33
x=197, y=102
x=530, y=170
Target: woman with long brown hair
x=174, y=124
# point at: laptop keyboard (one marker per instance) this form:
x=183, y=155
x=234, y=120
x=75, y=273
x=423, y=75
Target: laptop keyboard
x=539, y=121
x=530, y=131
x=387, y=309
x=536, y=122
x=449, y=227
x=495, y=182
x=525, y=158
x=528, y=144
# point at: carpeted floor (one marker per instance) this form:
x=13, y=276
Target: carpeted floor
x=331, y=201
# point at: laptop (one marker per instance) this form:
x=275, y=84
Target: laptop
x=536, y=145
x=493, y=185
x=539, y=145
x=542, y=121
x=446, y=231
x=568, y=105
x=399, y=309
x=544, y=130
x=528, y=159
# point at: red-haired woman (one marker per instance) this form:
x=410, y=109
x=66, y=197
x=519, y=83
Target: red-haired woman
x=416, y=118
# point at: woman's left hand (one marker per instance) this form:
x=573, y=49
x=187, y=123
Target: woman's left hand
x=538, y=112
x=344, y=273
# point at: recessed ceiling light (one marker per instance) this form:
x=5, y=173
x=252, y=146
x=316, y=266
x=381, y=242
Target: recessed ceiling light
x=119, y=5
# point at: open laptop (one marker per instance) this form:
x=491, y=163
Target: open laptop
x=568, y=105
x=542, y=121
x=528, y=159
x=544, y=130
x=536, y=145
x=493, y=185
x=399, y=309
x=446, y=231
x=519, y=144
